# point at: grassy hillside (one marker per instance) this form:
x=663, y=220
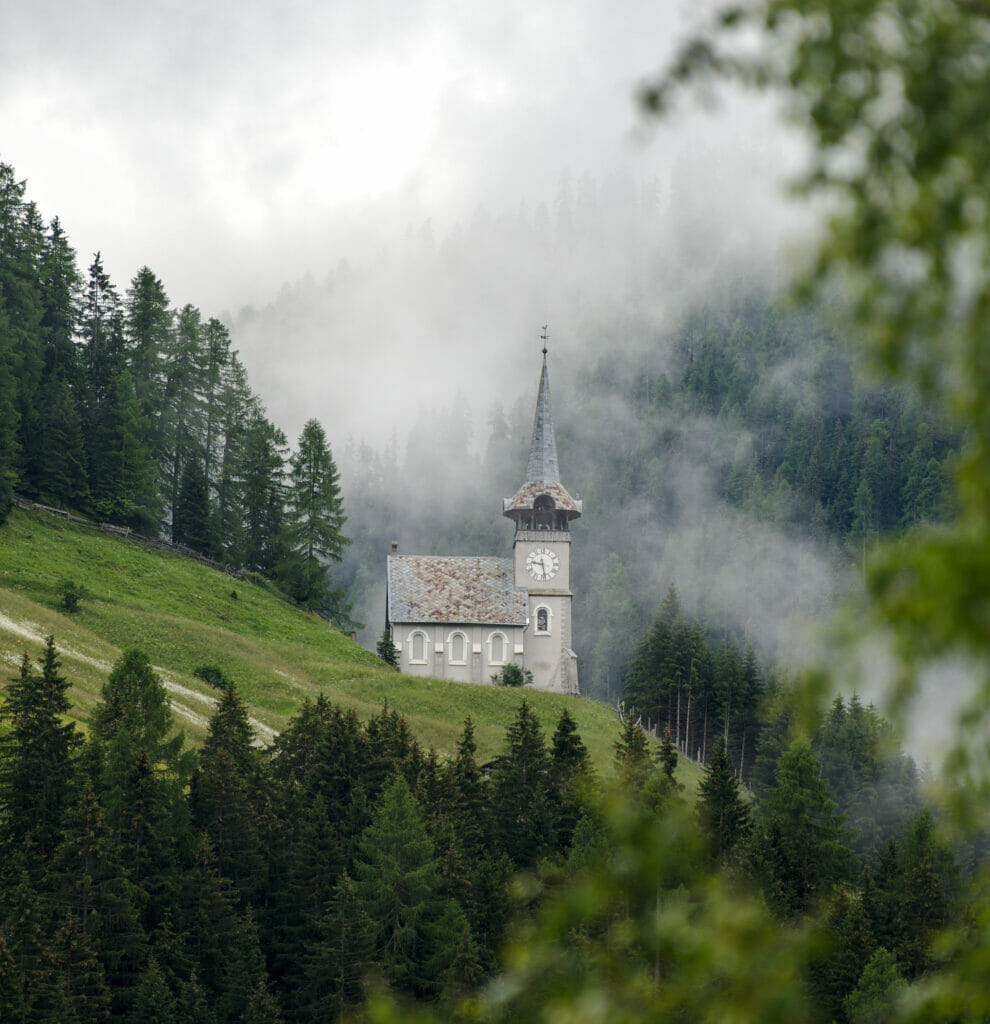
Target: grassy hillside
x=184, y=614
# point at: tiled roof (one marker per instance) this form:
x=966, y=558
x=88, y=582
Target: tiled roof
x=526, y=496
x=469, y=589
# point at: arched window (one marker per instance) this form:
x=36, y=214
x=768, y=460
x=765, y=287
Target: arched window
x=497, y=646
x=457, y=648
x=543, y=616
x=417, y=647
x=543, y=513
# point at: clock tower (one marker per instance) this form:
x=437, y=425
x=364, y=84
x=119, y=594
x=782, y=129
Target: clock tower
x=542, y=510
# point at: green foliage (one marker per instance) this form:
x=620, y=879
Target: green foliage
x=386, y=649
x=512, y=674
x=397, y=884
x=315, y=518
x=722, y=812
x=880, y=988
x=36, y=758
x=212, y=674
x=69, y=596
x=521, y=811
x=799, y=847
x=678, y=677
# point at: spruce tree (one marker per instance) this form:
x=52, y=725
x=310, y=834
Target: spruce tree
x=149, y=326
x=315, y=518
x=418, y=931
x=800, y=846
x=569, y=774
x=122, y=473
x=336, y=967
x=36, y=758
x=386, y=650
x=261, y=481
x=520, y=798
x=192, y=521
x=227, y=799
x=632, y=754
x=722, y=813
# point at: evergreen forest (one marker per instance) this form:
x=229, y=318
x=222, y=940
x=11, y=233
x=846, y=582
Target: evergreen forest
x=138, y=413
x=745, y=460
x=141, y=880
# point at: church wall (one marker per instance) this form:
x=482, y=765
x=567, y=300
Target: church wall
x=462, y=653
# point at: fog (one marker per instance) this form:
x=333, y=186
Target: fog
x=245, y=152
x=388, y=201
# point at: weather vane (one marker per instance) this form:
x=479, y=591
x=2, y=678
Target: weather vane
x=544, y=336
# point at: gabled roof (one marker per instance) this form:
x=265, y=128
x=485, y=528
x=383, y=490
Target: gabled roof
x=455, y=589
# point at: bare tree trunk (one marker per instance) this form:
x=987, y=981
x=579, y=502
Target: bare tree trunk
x=742, y=754
x=687, y=729
x=677, y=737
x=704, y=737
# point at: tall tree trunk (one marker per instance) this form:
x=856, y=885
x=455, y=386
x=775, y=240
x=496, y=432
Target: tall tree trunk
x=677, y=737
x=687, y=728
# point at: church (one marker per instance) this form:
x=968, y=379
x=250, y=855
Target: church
x=466, y=618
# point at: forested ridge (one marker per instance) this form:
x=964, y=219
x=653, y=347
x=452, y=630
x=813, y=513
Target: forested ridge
x=139, y=413
x=142, y=881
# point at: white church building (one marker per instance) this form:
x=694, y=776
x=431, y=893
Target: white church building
x=466, y=618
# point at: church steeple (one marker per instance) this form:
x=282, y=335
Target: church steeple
x=542, y=503
x=543, y=447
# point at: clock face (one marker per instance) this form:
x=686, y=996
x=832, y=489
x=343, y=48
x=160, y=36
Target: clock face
x=542, y=564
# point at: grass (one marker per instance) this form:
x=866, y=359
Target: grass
x=184, y=614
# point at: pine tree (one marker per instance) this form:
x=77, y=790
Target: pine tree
x=101, y=327
x=570, y=771
x=154, y=1002
x=800, y=846
x=192, y=521
x=60, y=449
x=262, y=493
x=315, y=518
x=36, y=758
x=9, y=418
x=632, y=753
x=227, y=795
x=22, y=241
x=668, y=757
x=723, y=814
x=386, y=650
x=122, y=471
x=877, y=992
x=336, y=966
x=520, y=798
x=149, y=328
x=418, y=931
x=183, y=412
x=142, y=779
x=79, y=978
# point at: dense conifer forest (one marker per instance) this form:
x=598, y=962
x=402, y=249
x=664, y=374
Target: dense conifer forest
x=138, y=413
x=142, y=881
x=344, y=869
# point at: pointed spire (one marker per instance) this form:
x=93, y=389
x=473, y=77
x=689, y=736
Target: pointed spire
x=542, y=465
x=542, y=491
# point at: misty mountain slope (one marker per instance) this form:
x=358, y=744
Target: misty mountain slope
x=739, y=457
x=184, y=615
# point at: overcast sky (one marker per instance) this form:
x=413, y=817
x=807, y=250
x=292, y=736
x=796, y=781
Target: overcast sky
x=233, y=147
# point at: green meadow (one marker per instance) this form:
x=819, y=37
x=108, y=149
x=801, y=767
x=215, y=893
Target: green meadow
x=184, y=614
